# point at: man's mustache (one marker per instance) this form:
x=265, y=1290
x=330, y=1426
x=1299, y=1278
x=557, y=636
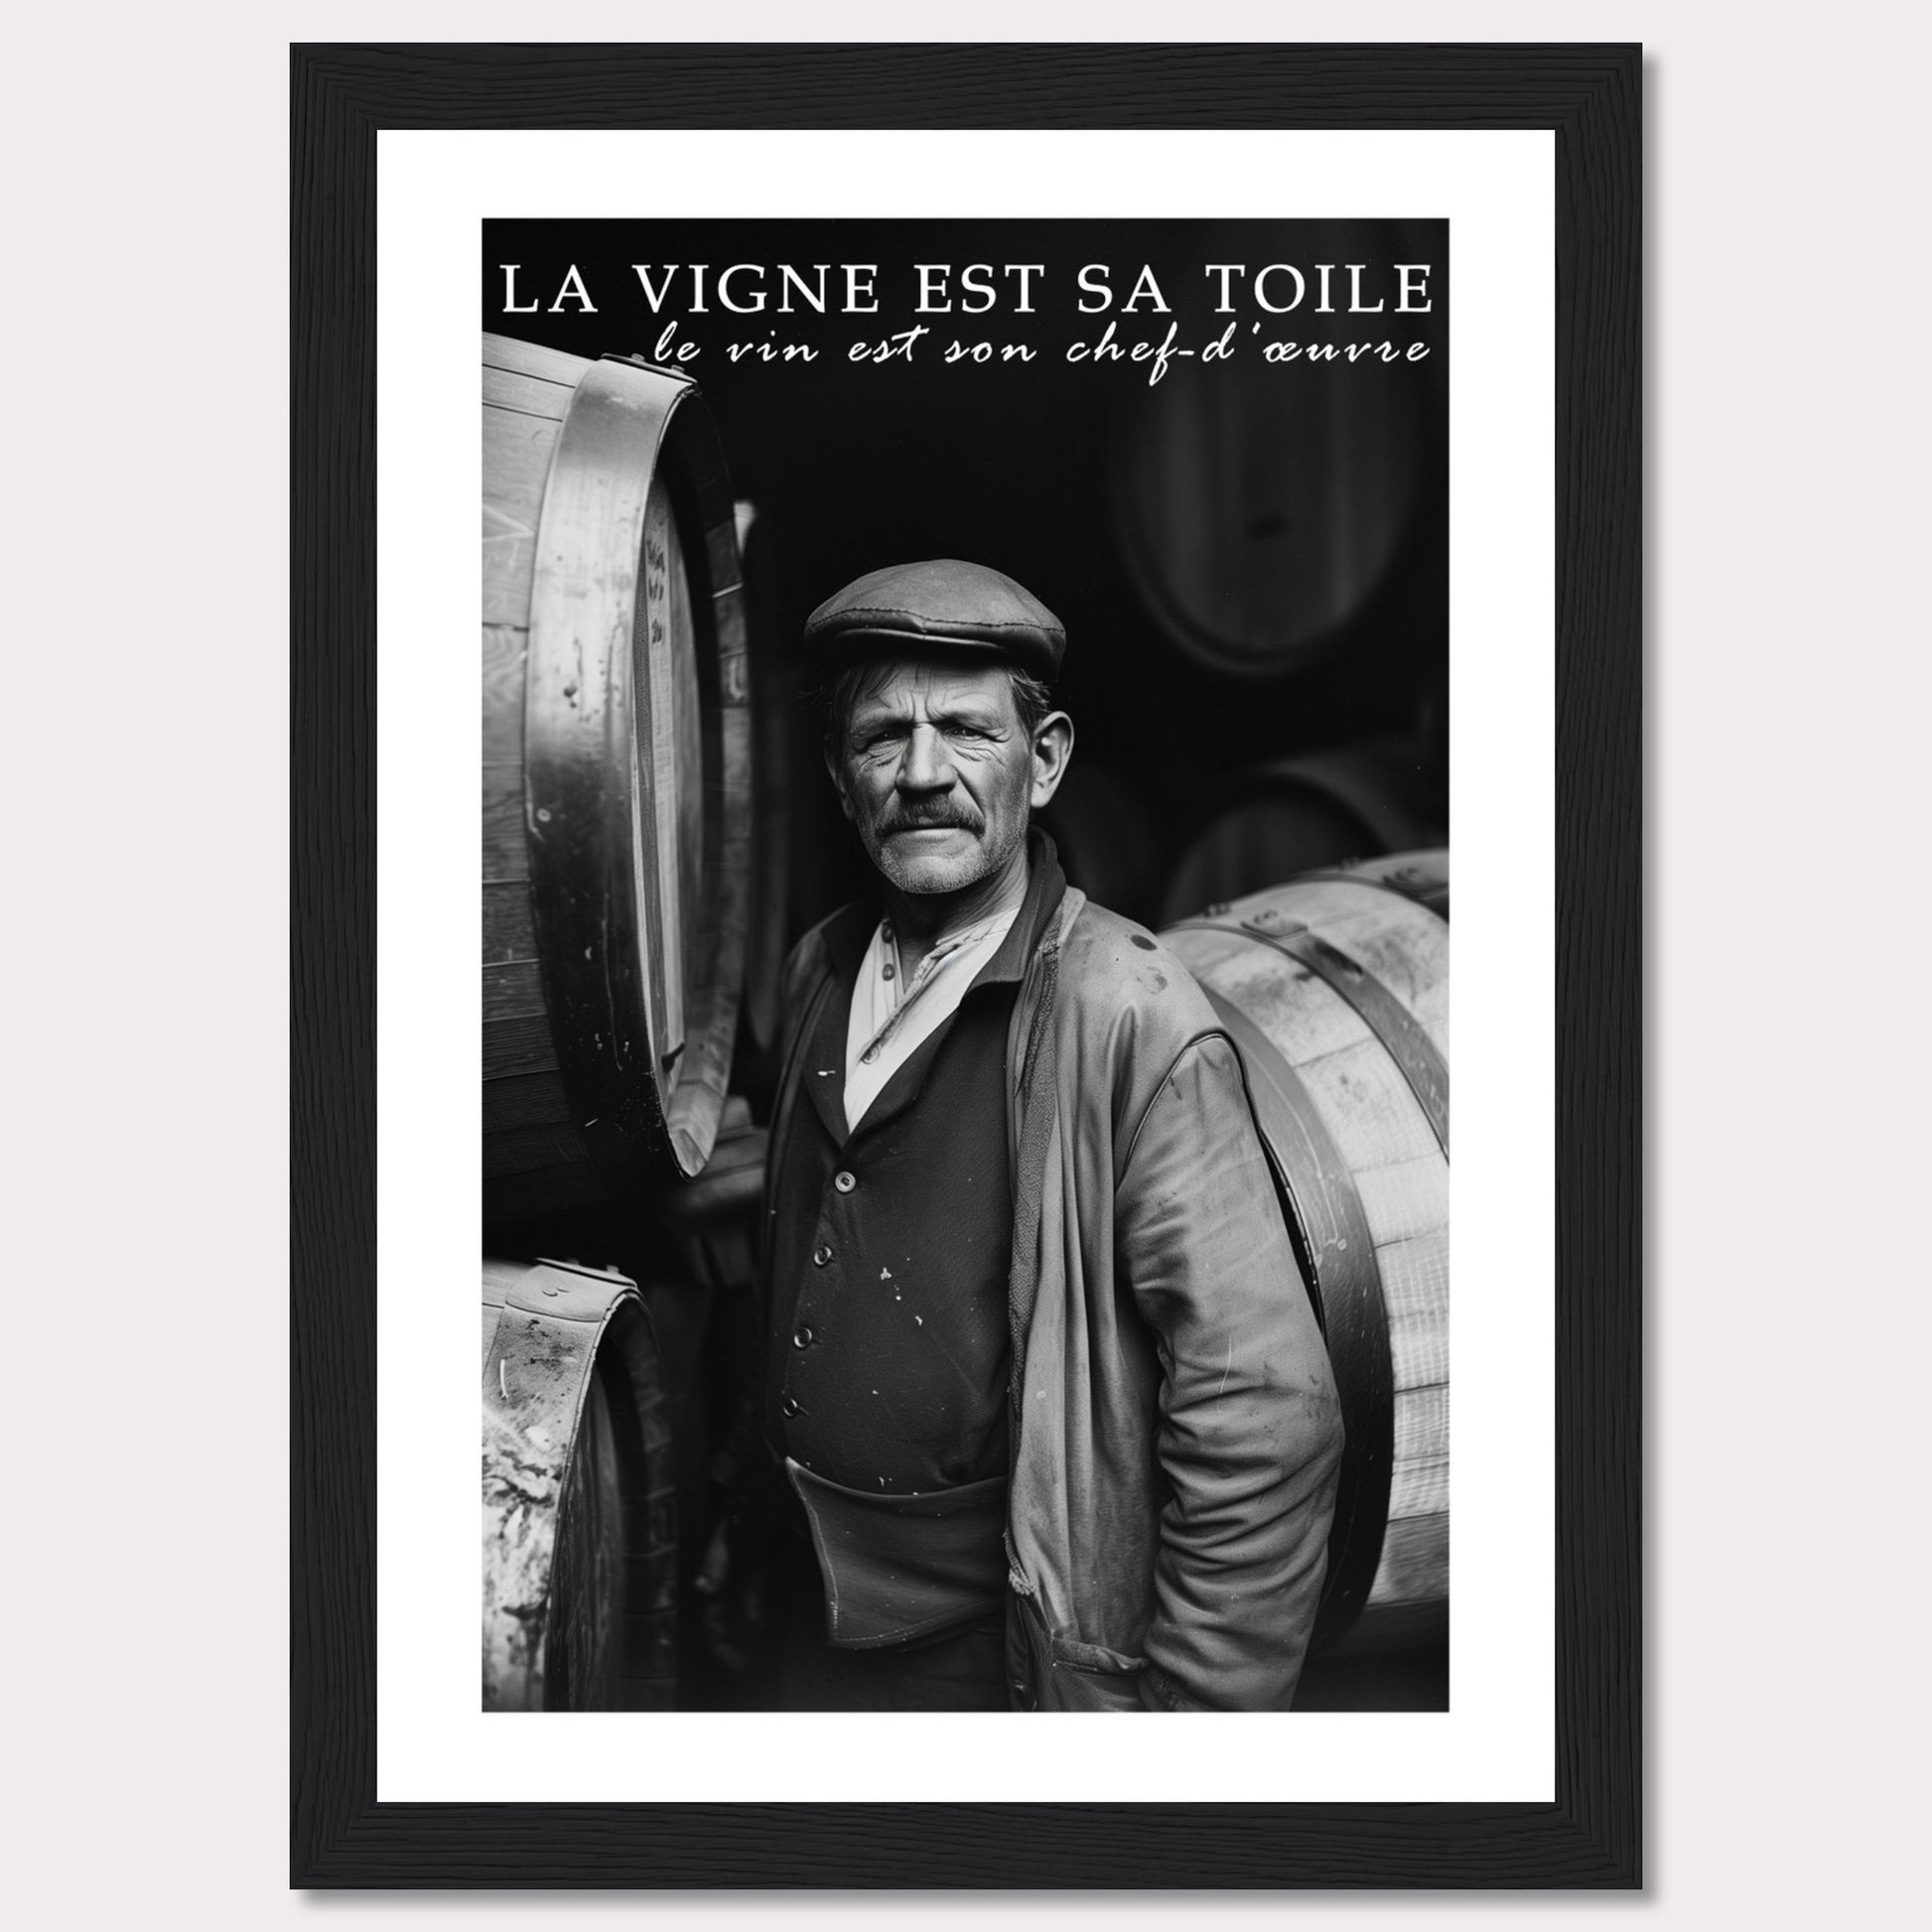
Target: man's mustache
x=942, y=818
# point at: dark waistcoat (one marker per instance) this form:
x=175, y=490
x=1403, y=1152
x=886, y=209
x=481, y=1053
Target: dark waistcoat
x=887, y=1354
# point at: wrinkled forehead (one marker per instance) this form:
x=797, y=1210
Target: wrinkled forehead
x=932, y=686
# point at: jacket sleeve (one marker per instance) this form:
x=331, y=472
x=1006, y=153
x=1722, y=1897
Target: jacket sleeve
x=1249, y=1425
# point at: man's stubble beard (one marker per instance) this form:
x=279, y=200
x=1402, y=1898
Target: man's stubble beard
x=982, y=863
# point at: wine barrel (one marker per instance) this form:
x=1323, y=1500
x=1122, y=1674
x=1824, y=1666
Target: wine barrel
x=616, y=774
x=580, y=1512
x=1299, y=815
x=1260, y=506
x=775, y=692
x=1336, y=990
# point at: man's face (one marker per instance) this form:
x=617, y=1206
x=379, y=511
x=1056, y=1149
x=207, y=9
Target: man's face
x=937, y=774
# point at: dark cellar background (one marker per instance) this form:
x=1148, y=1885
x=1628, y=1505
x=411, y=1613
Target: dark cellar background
x=1088, y=484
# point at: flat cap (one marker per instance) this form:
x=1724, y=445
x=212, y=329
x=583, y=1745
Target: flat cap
x=961, y=606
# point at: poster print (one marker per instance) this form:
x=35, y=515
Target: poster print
x=1531, y=155
x=1217, y=453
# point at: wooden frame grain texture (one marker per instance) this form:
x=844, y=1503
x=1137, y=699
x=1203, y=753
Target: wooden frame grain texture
x=1591, y=97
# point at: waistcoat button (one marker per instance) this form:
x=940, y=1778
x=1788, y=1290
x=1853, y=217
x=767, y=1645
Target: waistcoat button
x=821, y=1254
x=844, y=1182
x=802, y=1335
x=789, y=1405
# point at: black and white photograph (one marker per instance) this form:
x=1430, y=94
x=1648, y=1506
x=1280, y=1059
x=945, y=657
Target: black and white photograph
x=965, y=922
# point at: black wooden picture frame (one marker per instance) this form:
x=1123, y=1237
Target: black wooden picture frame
x=1590, y=1837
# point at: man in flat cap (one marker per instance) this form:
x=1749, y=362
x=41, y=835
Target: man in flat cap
x=1055, y=1420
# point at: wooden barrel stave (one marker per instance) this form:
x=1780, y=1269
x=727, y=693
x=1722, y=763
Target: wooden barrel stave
x=521, y=419
x=1405, y=1198
x=1415, y=1281
x=1309, y=1048
x=532, y=1099
x=512, y=990
x=508, y=932
x=1419, y=876
x=517, y=448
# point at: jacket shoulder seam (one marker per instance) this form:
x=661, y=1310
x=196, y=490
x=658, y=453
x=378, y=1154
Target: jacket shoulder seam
x=1187, y=1046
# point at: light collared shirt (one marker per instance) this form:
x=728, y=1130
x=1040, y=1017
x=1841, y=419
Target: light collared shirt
x=890, y=1016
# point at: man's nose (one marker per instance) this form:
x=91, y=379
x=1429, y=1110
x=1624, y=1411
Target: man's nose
x=925, y=765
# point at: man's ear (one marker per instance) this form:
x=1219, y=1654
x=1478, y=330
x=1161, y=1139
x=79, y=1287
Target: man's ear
x=1052, y=752
x=835, y=766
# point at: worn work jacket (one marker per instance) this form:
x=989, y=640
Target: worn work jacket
x=1176, y=1431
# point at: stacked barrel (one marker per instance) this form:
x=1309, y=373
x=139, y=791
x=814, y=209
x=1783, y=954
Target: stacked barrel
x=616, y=772
x=1336, y=990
